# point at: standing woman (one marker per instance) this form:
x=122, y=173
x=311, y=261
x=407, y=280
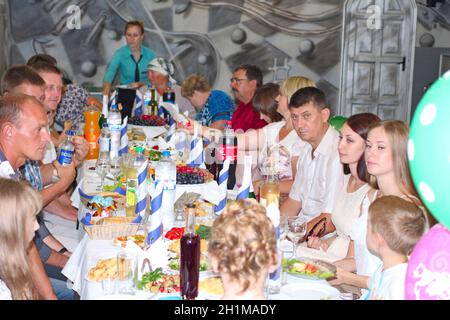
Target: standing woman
x=20, y=204
x=131, y=61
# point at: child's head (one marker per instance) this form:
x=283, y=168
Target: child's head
x=395, y=222
x=243, y=243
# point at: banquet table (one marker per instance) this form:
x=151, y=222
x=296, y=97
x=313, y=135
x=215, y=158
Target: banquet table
x=88, y=252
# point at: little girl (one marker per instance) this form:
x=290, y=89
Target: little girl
x=242, y=249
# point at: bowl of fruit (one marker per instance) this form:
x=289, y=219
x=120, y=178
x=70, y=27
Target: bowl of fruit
x=147, y=120
x=193, y=175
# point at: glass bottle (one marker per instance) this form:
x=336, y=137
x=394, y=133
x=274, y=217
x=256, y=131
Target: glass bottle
x=269, y=191
x=210, y=157
x=189, y=257
x=153, y=104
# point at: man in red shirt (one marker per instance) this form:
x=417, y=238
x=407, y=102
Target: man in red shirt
x=246, y=79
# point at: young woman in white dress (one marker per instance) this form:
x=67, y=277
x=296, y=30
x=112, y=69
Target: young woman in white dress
x=387, y=164
x=351, y=148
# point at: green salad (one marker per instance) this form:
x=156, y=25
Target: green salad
x=149, y=277
x=174, y=264
x=309, y=270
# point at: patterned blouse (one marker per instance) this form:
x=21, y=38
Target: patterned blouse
x=219, y=106
x=72, y=106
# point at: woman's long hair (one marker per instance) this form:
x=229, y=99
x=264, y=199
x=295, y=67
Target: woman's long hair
x=20, y=204
x=360, y=124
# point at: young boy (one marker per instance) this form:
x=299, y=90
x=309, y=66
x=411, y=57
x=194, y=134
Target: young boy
x=394, y=227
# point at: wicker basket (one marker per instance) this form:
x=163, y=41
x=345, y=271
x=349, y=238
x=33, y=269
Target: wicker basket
x=111, y=231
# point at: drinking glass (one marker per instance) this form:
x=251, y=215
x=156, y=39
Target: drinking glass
x=102, y=168
x=127, y=272
x=283, y=227
x=296, y=231
x=115, y=168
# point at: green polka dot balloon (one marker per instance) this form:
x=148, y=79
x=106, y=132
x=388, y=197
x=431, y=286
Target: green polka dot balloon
x=337, y=122
x=429, y=149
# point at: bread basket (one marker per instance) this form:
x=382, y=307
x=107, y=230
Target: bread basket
x=111, y=227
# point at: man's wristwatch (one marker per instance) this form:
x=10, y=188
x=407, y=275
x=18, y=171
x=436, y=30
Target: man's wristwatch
x=63, y=250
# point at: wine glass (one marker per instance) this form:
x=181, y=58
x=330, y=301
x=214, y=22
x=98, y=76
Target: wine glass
x=296, y=231
x=102, y=168
x=115, y=168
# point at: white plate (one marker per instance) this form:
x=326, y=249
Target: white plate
x=309, y=291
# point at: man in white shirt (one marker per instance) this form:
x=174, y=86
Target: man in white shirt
x=320, y=174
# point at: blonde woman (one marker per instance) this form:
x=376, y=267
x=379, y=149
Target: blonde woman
x=242, y=249
x=388, y=168
x=279, y=132
x=20, y=204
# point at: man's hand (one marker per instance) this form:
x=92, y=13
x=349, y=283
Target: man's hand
x=81, y=149
x=66, y=173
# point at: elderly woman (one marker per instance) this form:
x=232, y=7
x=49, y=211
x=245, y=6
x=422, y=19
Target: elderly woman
x=214, y=107
x=160, y=72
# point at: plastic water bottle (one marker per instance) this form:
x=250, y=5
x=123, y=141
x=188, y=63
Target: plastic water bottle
x=114, y=121
x=104, y=141
x=66, y=149
x=166, y=173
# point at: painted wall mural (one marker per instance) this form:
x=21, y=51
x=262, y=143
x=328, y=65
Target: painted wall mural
x=282, y=37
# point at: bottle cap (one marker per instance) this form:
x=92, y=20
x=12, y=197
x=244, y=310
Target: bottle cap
x=139, y=149
x=166, y=153
x=70, y=132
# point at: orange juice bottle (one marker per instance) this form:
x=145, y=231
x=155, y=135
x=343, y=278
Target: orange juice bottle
x=92, y=132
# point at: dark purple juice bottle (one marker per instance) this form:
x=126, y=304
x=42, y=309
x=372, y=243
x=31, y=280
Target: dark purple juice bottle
x=189, y=257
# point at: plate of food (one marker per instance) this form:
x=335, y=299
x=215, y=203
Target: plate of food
x=210, y=287
x=174, y=263
x=308, y=291
x=309, y=268
x=103, y=269
x=138, y=239
x=157, y=281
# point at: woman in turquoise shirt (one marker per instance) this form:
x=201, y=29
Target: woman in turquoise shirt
x=131, y=61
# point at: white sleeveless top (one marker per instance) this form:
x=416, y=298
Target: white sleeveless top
x=292, y=146
x=346, y=211
x=366, y=263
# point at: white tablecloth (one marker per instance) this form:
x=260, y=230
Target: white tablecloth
x=89, y=252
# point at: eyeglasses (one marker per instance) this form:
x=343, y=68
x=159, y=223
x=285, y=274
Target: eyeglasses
x=237, y=80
